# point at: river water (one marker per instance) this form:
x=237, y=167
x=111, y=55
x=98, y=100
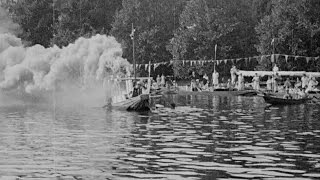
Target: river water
x=205, y=137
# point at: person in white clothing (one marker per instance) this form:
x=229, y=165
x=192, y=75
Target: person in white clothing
x=240, y=82
x=163, y=81
x=275, y=68
x=312, y=84
x=269, y=84
x=256, y=82
x=215, y=78
x=275, y=79
x=158, y=79
x=304, y=81
x=233, y=72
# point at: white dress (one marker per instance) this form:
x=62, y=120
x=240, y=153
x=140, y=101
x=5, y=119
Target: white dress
x=215, y=78
x=233, y=72
x=304, y=81
x=256, y=83
x=269, y=84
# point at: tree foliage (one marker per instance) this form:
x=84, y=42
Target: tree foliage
x=178, y=29
x=60, y=22
x=154, y=22
x=294, y=26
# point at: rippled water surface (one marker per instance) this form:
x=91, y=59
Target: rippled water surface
x=205, y=137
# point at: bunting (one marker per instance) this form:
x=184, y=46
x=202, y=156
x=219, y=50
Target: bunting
x=274, y=59
x=308, y=59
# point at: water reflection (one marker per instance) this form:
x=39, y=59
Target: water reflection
x=205, y=137
x=225, y=137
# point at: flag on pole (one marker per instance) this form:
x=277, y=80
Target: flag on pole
x=215, y=52
x=132, y=32
x=149, y=70
x=272, y=41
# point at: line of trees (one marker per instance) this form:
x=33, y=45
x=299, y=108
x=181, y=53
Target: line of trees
x=177, y=29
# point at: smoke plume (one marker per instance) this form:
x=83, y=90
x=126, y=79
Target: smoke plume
x=76, y=70
x=36, y=68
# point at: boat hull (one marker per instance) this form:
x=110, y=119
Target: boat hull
x=281, y=101
x=139, y=103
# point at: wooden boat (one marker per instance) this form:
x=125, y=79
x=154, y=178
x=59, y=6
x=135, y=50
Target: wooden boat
x=248, y=93
x=138, y=103
x=281, y=101
x=222, y=89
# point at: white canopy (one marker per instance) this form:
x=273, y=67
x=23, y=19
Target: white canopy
x=280, y=73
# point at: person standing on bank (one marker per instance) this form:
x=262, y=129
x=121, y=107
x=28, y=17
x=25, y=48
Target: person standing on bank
x=158, y=79
x=163, y=81
x=256, y=82
x=215, y=78
x=304, y=81
x=233, y=72
x=240, y=82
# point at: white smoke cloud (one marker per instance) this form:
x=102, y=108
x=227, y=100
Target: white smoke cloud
x=36, y=68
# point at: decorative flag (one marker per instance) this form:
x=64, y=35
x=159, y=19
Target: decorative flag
x=308, y=59
x=132, y=32
x=316, y=58
x=155, y=66
x=272, y=41
x=225, y=61
x=286, y=57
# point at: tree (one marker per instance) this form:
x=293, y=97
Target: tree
x=154, y=22
x=35, y=19
x=60, y=22
x=205, y=23
x=291, y=28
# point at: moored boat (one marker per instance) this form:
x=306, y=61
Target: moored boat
x=282, y=101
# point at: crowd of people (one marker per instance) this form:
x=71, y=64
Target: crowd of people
x=275, y=83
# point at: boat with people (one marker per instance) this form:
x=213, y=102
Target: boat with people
x=134, y=96
x=276, y=100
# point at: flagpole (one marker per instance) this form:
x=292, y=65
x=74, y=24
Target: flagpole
x=273, y=43
x=134, y=61
x=215, y=57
